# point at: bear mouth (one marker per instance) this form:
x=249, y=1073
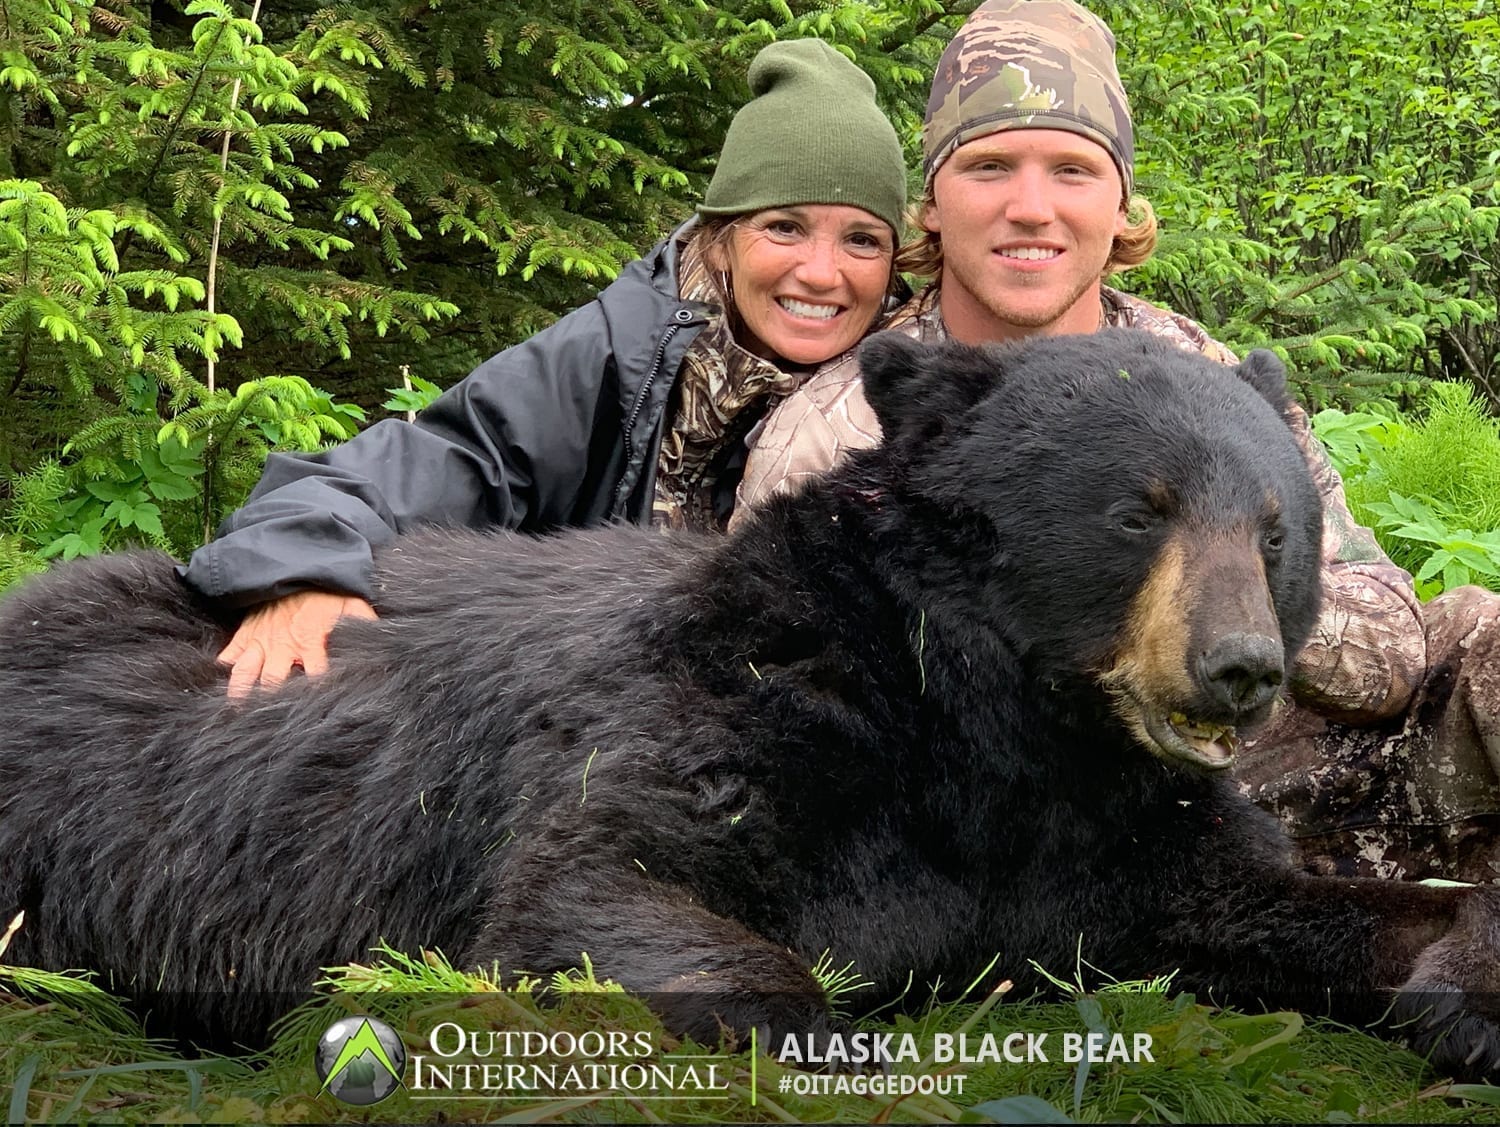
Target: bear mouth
x=1200, y=742
x=1168, y=732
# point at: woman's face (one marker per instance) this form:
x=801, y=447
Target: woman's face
x=807, y=281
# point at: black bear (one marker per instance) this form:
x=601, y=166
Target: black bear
x=971, y=694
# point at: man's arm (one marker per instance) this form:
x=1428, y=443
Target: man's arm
x=1367, y=653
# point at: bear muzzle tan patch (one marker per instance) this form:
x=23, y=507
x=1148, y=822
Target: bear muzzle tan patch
x=1201, y=655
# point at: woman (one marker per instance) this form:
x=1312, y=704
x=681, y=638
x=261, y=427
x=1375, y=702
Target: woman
x=634, y=407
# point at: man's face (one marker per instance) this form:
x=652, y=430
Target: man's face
x=1027, y=218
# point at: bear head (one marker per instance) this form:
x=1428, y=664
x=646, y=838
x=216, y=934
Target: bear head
x=1124, y=515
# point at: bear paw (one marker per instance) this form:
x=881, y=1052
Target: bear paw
x=1449, y=1009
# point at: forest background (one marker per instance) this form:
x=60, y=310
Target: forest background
x=228, y=228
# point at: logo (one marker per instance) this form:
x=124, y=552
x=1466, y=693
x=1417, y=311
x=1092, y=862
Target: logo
x=360, y=1060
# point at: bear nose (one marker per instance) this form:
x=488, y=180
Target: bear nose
x=1242, y=671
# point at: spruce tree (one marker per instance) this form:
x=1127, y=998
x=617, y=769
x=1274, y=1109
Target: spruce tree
x=219, y=220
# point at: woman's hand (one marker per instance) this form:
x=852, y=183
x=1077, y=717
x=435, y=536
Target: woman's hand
x=292, y=630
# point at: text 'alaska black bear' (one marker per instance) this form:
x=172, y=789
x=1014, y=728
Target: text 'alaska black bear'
x=968, y=696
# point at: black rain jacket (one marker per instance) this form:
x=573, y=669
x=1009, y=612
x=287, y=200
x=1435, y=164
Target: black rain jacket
x=563, y=429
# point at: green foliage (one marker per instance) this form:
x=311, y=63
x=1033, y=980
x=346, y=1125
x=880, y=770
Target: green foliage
x=1458, y=555
x=1325, y=176
x=193, y=199
x=130, y=478
x=198, y=196
x=1428, y=484
x=137, y=172
x=419, y=395
x=16, y=560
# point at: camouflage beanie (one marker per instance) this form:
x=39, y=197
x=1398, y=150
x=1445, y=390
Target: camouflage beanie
x=1029, y=64
x=811, y=134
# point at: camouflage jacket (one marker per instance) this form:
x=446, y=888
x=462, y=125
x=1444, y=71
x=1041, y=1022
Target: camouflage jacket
x=1367, y=654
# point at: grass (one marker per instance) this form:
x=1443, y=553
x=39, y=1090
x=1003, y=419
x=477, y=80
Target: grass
x=1428, y=484
x=69, y=1052
x=1450, y=456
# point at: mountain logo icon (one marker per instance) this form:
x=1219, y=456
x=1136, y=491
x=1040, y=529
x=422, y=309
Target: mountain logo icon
x=360, y=1060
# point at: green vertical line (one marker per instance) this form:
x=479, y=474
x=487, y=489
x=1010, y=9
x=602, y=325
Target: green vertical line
x=754, y=1061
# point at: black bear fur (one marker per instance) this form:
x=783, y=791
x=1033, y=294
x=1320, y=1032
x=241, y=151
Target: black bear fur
x=953, y=701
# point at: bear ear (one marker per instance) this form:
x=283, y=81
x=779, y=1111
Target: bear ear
x=1263, y=370
x=890, y=364
x=920, y=388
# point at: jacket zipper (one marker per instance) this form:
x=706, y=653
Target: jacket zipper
x=639, y=405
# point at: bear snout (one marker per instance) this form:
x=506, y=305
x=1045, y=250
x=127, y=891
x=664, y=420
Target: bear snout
x=1242, y=672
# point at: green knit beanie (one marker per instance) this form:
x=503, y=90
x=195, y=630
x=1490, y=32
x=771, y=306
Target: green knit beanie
x=811, y=134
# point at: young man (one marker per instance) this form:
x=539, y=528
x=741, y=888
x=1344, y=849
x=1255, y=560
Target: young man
x=1387, y=764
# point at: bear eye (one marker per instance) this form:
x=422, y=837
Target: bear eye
x=1272, y=540
x=1131, y=519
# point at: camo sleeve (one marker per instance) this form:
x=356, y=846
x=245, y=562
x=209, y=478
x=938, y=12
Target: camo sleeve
x=1367, y=653
x=806, y=436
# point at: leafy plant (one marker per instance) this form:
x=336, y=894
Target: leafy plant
x=1325, y=173
x=167, y=485
x=1353, y=438
x=1456, y=556
x=1428, y=484
x=418, y=396
x=1447, y=451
